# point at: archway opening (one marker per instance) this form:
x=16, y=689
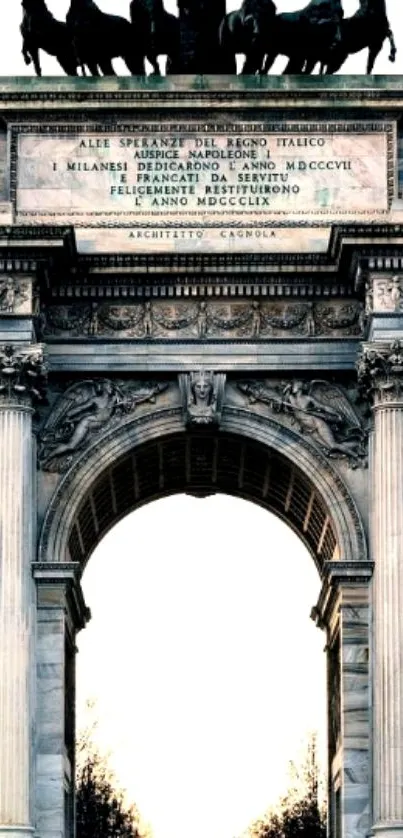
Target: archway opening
x=158, y=458
x=212, y=652
x=202, y=464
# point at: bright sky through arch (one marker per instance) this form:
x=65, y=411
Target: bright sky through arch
x=206, y=667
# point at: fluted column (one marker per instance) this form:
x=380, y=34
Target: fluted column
x=21, y=374
x=381, y=369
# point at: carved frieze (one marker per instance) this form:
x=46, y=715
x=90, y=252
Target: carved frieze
x=321, y=410
x=202, y=396
x=84, y=412
x=22, y=374
x=380, y=371
x=326, y=414
x=72, y=320
x=206, y=320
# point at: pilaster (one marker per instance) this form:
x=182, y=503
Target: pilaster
x=61, y=612
x=381, y=373
x=343, y=610
x=21, y=380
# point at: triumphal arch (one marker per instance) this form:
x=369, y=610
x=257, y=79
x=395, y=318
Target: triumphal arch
x=201, y=291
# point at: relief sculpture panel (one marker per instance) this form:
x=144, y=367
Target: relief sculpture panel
x=85, y=411
x=322, y=411
x=206, y=320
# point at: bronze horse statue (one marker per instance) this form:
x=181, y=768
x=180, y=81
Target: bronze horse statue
x=158, y=31
x=304, y=36
x=367, y=29
x=98, y=38
x=244, y=31
x=40, y=30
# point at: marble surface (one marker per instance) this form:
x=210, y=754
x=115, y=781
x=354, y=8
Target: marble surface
x=16, y=621
x=50, y=751
x=355, y=720
x=387, y=475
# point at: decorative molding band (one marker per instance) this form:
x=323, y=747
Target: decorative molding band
x=206, y=320
x=200, y=92
x=66, y=576
x=335, y=576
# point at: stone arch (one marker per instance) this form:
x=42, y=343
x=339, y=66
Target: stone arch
x=154, y=456
x=253, y=457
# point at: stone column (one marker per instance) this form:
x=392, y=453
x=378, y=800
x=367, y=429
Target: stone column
x=381, y=371
x=343, y=610
x=21, y=374
x=61, y=613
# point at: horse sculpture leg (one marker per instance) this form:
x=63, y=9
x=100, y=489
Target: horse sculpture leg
x=335, y=61
x=135, y=65
x=68, y=63
x=254, y=61
x=227, y=47
x=35, y=58
x=26, y=54
x=153, y=59
x=93, y=68
x=268, y=62
x=106, y=67
x=393, y=50
x=310, y=65
x=252, y=65
x=374, y=50
x=294, y=66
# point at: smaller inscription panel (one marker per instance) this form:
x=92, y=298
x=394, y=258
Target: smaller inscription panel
x=193, y=174
x=222, y=239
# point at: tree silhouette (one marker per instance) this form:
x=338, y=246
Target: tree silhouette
x=101, y=811
x=299, y=814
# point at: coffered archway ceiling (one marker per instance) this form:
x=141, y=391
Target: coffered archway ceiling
x=203, y=464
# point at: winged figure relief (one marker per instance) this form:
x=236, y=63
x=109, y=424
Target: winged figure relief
x=321, y=408
x=318, y=408
x=85, y=409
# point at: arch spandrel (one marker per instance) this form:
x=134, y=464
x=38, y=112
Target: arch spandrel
x=156, y=454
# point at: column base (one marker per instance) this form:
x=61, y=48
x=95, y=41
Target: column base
x=392, y=829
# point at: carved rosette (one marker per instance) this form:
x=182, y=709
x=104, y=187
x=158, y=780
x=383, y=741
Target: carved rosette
x=23, y=375
x=380, y=372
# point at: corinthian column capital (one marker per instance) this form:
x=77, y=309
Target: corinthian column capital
x=22, y=375
x=380, y=372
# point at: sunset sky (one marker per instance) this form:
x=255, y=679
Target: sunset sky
x=206, y=669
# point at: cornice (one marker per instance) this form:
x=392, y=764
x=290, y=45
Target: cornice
x=337, y=575
x=202, y=91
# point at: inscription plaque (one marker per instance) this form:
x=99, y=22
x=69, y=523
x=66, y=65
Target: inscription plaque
x=190, y=178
